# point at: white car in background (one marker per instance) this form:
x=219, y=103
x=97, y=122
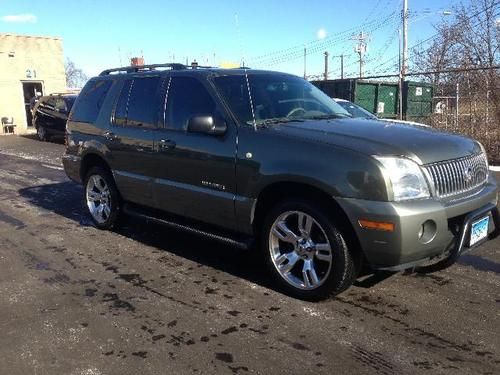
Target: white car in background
x=359, y=112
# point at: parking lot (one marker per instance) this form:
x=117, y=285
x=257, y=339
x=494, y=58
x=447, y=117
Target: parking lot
x=150, y=300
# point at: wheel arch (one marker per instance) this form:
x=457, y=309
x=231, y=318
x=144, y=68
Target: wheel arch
x=283, y=190
x=91, y=160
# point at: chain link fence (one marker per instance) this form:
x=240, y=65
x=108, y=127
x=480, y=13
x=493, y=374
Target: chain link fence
x=464, y=101
x=471, y=111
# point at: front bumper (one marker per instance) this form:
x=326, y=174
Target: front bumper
x=448, y=227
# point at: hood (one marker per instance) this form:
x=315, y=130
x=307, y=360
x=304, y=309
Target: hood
x=373, y=137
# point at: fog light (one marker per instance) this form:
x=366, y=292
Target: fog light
x=427, y=231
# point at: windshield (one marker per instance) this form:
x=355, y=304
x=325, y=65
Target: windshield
x=355, y=110
x=276, y=98
x=70, y=100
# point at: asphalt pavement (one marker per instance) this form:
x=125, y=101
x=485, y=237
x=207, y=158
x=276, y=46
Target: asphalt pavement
x=148, y=300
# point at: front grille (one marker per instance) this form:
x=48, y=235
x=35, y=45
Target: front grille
x=458, y=176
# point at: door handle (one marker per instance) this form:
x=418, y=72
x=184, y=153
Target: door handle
x=110, y=136
x=166, y=144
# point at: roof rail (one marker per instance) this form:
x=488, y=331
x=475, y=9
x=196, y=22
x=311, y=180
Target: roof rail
x=140, y=68
x=73, y=92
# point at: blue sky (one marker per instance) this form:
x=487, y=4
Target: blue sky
x=102, y=34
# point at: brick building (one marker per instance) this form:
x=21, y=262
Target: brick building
x=28, y=64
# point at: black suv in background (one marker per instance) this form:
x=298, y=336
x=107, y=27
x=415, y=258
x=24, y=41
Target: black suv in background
x=50, y=115
x=242, y=155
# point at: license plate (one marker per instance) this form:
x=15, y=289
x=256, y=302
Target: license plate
x=479, y=230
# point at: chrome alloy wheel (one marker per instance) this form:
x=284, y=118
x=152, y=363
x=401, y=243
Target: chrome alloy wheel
x=300, y=250
x=98, y=198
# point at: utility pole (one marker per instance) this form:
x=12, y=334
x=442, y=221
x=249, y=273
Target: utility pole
x=341, y=65
x=326, y=65
x=403, y=61
x=360, y=49
x=305, y=54
x=405, y=37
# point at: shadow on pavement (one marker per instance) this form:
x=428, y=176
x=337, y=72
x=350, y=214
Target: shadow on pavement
x=65, y=199
x=479, y=263
x=53, y=139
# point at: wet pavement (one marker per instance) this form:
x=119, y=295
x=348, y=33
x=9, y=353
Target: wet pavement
x=145, y=299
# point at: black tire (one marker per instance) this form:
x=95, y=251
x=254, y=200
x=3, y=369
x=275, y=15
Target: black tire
x=112, y=219
x=343, y=267
x=42, y=133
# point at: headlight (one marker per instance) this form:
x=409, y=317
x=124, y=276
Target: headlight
x=406, y=178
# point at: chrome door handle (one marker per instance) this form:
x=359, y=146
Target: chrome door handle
x=166, y=144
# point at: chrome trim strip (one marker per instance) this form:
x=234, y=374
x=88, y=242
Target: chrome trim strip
x=194, y=188
x=131, y=175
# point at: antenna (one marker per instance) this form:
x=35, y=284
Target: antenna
x=240, y=39
x=251, y=100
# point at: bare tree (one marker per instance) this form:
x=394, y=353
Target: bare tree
x=471, y=44
x=75, y=77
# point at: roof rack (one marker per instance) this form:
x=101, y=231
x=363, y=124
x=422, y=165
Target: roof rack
x=142, y=68
x=139, y=68
x=74, y=92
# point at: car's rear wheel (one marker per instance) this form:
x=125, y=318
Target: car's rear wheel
x=305, y=252
x=101, y=198
x=42, y=133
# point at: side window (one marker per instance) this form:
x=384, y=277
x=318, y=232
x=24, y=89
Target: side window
x=90, y=101
x=121, y=105
x=143, y=102
x=187, y=97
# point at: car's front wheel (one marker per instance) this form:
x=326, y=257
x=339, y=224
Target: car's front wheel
x=101, y=198
x=42, y=133
x=305, y=251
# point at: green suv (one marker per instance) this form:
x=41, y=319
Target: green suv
x=265, y=161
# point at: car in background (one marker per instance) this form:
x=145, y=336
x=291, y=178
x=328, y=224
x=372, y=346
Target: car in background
x=357, y=111
x=51, y=113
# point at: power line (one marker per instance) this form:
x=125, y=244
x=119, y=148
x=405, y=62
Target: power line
x=435, y=36
x=322, y=47
x=295, y=52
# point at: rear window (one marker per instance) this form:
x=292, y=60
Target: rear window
x=90, y=101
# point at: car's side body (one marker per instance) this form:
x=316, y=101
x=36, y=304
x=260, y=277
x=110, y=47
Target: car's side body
x=230, y=180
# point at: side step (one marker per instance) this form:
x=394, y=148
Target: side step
x=241, y=242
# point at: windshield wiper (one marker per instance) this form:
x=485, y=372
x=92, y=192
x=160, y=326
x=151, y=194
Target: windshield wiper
x=276, y=120
x=330, y=116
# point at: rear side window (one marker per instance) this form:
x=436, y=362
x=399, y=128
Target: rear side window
x=187, y=97
x=90, y=101
x=139, y=103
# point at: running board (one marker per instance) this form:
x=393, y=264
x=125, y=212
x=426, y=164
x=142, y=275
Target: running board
x=240, y=242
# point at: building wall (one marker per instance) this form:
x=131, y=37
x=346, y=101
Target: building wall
x=28, y=59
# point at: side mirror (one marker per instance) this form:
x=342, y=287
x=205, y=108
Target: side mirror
x=207, y=125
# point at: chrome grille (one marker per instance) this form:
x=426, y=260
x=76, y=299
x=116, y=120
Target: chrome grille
x=458, y=176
